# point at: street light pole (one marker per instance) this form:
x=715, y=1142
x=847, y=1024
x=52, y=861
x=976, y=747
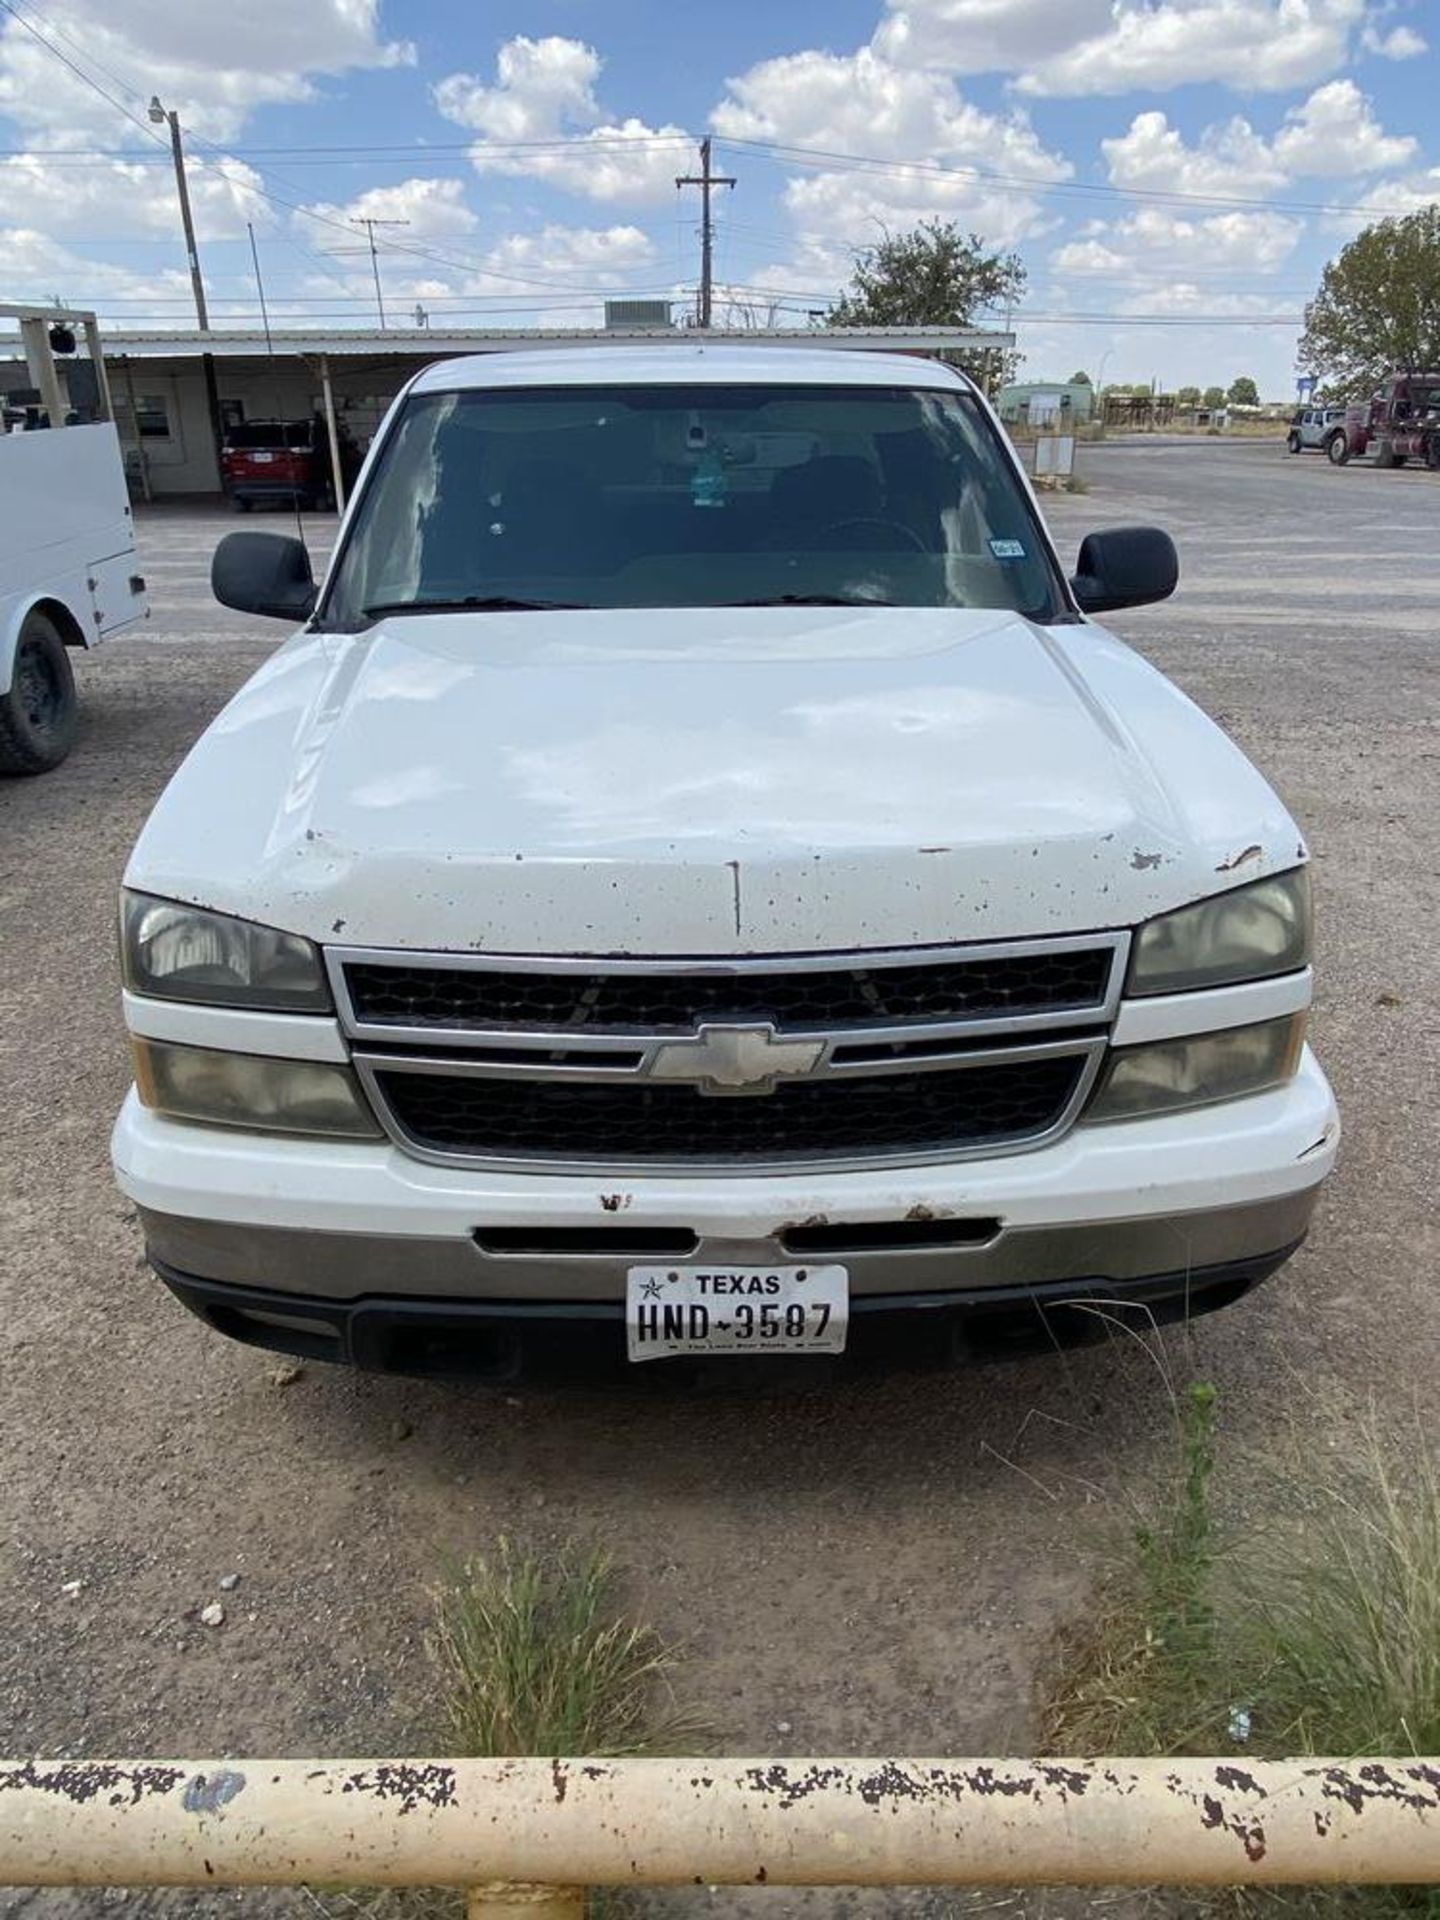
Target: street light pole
x=160, y=117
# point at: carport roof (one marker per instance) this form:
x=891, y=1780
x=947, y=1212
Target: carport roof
x=434, y=342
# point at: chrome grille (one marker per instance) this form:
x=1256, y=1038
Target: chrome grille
x=710, y=1065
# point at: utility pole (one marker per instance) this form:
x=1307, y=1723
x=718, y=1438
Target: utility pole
x=706, y=181
x=361, y=220
x=160, y=117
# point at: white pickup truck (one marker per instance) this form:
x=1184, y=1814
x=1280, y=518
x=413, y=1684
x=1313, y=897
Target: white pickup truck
x=699, y=882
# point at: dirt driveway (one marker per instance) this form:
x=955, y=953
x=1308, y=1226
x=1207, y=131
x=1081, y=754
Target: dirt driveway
x=874, y=1566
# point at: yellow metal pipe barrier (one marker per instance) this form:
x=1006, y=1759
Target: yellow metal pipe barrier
x=566, y=1824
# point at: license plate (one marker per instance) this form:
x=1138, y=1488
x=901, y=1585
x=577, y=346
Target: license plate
x=262, y=459
x=759, y=1310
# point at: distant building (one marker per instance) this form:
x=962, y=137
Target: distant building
x=1047, y=403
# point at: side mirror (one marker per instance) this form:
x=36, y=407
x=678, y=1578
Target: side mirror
x=265, y=573
x=1121, y=567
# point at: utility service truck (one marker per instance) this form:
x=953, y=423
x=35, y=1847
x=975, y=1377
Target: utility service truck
x=68, y=575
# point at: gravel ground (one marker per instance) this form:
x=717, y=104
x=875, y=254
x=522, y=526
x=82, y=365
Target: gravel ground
x=878, y=1566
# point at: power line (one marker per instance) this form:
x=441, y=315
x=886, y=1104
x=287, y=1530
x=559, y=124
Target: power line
x=322, y=155
x=1029, y=184
x=79, y=72
x=794, y=154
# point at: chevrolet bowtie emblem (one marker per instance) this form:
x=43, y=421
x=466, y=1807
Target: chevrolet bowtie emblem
x=734, y=1059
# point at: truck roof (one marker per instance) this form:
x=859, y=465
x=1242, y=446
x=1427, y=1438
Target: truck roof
x=683, y=364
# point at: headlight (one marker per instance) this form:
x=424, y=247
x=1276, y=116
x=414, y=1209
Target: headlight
x=1199, y=1069
x=1247, y=934
x=189, y=953
x=244, y=1090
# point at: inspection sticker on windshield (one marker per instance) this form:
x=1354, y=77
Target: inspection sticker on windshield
x=760, y=1310
x=1008, y=549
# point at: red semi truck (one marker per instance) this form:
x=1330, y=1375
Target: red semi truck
x=1399, y=422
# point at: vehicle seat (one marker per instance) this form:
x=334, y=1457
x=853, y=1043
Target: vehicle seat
x=811, y=504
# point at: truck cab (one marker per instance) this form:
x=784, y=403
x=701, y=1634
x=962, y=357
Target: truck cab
x=1400, y=422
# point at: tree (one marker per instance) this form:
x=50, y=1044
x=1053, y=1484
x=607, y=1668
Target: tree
x=1080, y=379
x=1188, y=396
x=1214, y=397
x=1378, y=307
x=934, y=276
x=1243, y=392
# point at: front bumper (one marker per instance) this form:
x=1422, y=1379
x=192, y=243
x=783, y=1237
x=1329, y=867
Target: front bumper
x=1197, y=1204
x=579, y=1340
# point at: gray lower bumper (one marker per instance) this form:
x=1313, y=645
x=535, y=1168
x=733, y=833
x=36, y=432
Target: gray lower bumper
x=346, y=1267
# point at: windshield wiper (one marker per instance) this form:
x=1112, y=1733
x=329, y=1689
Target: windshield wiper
x=473, y=603
x=810, y=600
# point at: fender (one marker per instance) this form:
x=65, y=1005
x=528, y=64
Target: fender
x=67, y=607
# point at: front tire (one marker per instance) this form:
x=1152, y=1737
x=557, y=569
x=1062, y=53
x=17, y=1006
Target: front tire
x=39, y=715
x=1293, y=443
x=1337, y=449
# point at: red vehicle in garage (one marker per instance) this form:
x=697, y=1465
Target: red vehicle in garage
x=283, y=462
x=1401, y=421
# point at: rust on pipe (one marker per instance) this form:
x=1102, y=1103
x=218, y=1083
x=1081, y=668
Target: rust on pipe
x=567, y=1823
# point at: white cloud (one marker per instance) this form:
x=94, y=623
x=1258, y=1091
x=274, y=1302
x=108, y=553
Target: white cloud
x=39, y=263
x=210, y=63
x=1332, y=134
x=981, y=36
x=545, y=91
x=566, y=271
x=918, y=122
x=1401, y=43
x=585, y=256
x=67, y=200
x=1253, y=45
x=1390, y=197
x=1228, y=161
x=864, y=103
x=1155, y=247
x=543, y=88
x=1335, y=133
x=425, y=207
x=855, y=209
x=214, y=64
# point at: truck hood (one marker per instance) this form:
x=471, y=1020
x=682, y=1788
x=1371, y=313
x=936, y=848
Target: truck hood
x=708, y=782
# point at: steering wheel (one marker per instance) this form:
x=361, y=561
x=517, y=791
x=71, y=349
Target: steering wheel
x=901, y=537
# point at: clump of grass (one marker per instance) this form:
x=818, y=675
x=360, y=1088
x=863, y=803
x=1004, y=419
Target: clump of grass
x=1343, y=1613
x=1076, y=483
x=1138, y=1676
x=1320, y=1635
x=535, y=1657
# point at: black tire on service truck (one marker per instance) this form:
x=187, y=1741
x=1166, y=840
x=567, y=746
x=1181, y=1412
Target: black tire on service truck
x=1337, y=448
x=39, y=714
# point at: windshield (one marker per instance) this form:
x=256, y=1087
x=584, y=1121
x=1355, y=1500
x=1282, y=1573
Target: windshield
x=294, y=434
x=693, y=496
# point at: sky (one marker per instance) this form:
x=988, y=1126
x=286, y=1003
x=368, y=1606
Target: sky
x=1173, y=173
